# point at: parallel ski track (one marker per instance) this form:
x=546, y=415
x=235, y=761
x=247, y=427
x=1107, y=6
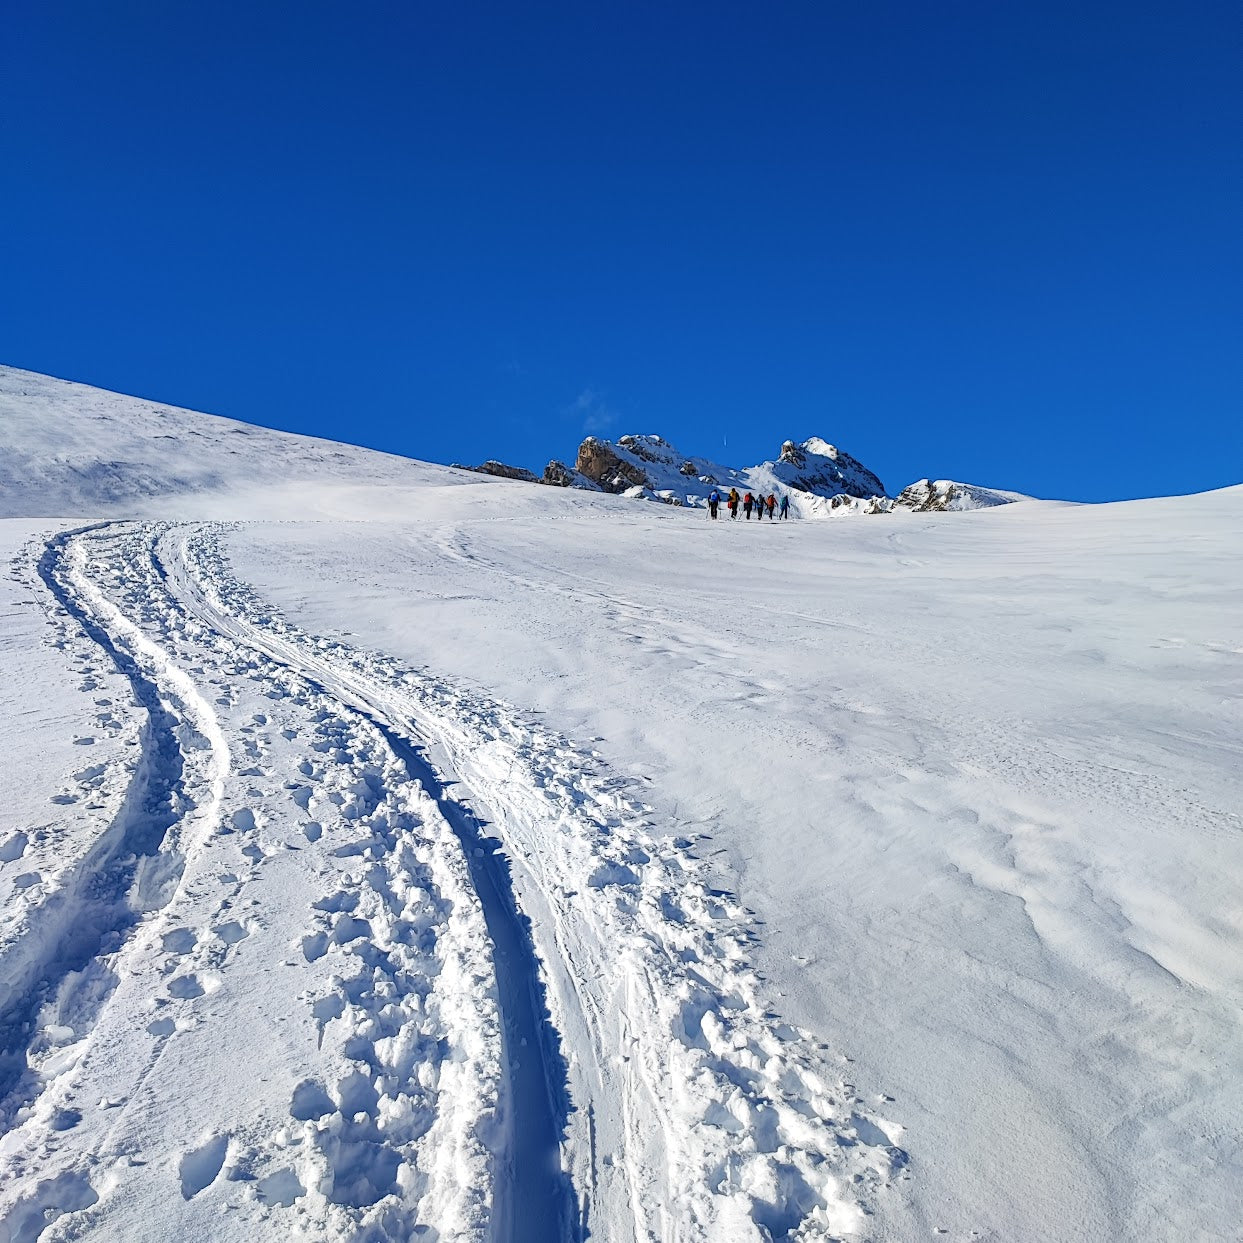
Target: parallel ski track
x=534, y=1198
x=172, y=806
x=172, y=800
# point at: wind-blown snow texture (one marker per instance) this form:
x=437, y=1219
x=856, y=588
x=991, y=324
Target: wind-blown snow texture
x=470, y=860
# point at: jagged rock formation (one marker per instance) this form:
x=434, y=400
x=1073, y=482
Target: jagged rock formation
x=818, y=467
x=600, y=462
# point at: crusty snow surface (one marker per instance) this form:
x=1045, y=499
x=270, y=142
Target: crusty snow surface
x=421, y=855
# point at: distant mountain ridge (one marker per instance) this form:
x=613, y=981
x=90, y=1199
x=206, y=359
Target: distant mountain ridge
x=818, y=477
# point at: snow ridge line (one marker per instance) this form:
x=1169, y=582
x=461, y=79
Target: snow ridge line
x=534, y=1198
x=722, y=1121
x=60, y=954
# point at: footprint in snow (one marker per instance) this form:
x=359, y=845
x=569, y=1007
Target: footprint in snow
x=310, y=1101
x=281, y=1188
x=188, y=987
x=178, y=941
x=12, y=848
x=232, y=932
x=200, y=1166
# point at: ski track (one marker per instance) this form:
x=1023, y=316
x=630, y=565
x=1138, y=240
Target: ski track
x=580, y=1049
x=400, y=1121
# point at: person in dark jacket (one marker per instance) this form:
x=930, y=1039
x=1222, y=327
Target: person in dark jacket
x=785, y=508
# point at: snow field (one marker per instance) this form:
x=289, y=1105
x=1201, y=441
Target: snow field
x=721, y=1121
x=977, y=775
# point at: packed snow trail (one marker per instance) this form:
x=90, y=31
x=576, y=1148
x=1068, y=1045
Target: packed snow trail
x=424, y=1052
x=534, y=1200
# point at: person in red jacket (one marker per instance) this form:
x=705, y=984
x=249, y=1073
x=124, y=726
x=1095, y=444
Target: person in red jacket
x=747, y=502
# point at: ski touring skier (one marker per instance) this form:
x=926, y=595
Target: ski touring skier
x=748, y=503
x=714, y=501
x=785, y=508
x=734, y=500
x=772, y=504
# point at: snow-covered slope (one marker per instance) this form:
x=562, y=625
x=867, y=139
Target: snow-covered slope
x=68, y=449
x=519, y=862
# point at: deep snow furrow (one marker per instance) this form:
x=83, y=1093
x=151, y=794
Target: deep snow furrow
x=535, y=1197
x=719, y=1120
x=61, y=957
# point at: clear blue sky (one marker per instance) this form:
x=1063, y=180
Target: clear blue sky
x=992, y=241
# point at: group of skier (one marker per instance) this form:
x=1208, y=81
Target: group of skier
x=747, y=503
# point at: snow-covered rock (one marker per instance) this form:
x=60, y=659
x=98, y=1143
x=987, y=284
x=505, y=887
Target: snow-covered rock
x=928, y=495
x=823, y=469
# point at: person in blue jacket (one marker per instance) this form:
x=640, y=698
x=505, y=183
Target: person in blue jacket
x=785, y=507
x=714, y=502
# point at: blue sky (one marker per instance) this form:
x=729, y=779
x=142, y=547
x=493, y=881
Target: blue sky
x=981, y=240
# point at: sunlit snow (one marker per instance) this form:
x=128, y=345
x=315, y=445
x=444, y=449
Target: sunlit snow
x=394, y=852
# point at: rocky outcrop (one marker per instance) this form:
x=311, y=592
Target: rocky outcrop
x=559, y=475
x=601, y=463
x=501, y=470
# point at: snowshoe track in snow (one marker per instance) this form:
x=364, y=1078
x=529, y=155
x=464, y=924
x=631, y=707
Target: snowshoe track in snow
x=447, y=1040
